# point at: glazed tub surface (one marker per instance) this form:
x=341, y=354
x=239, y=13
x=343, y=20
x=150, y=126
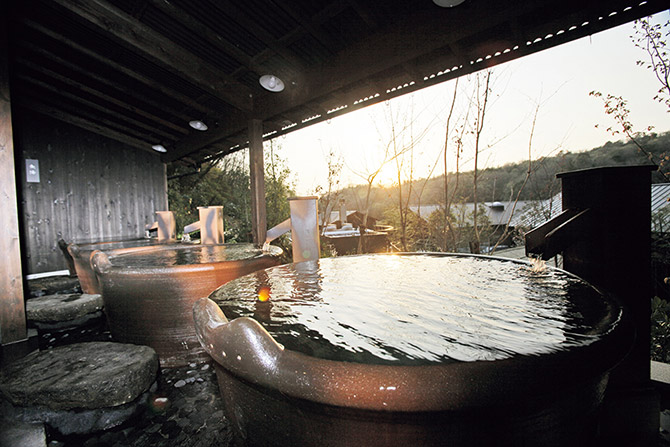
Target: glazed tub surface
x=81, y=255
x=149, y=293
x=544, y=390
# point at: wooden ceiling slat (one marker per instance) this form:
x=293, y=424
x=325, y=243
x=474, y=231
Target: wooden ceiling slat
x=207, y=34
x=248, y=23
x=113, y=65
x=312, y=28
x=59, y=114
x=104, y=97
x=158, y=48
x=364, y=13
x=83, y=74
x=71, y=101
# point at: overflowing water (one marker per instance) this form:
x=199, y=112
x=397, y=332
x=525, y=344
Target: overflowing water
x=419, y=309
x=538, y=265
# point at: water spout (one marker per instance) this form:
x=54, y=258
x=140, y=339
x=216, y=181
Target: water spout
x=210, y=225
x=276, y=231
x=555, y=235
x=165, y=226
x=304, y=227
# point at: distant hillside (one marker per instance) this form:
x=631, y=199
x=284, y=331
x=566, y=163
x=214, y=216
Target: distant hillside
x=504, y=182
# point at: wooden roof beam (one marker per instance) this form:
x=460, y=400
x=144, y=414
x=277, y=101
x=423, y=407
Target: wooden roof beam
x=364, y=13
x=132, y=125
x=261, y=34
x=102, y=96
x=145, y=41
x=105, y=61
x=311, y=26
x=57, y=113
x=103, y=80
x=212, y=37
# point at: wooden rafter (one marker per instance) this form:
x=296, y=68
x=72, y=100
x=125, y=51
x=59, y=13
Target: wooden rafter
x=144, y=40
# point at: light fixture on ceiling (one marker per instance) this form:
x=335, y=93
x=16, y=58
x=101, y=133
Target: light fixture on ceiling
x=272, y=83
x=198, y=125
x=159, y=148
x=448, y=3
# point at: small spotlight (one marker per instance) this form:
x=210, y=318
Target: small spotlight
x=272, y=83
x=448, y=3
x=198, y=125
x=159, y=148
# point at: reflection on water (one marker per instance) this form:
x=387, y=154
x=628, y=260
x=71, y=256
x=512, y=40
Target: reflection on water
x=419, y=309
x=183, y=254
x=114, y=245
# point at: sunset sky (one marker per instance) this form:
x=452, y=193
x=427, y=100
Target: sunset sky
x=559, y=79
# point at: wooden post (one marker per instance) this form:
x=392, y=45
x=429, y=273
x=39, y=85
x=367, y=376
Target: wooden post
x=257, y=176
x=12, y=308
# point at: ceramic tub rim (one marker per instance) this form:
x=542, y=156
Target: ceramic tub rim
x=102, y=263
x=245, y=349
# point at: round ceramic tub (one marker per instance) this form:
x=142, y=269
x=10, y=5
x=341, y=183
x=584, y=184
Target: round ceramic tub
x=81, y=255
x=149, y=293
x=412, y=349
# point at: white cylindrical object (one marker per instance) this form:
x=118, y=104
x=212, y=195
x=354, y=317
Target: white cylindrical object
x=276, y=231
x=343, y=211
x=304, y=228
x=166, y=226
x=211, y=224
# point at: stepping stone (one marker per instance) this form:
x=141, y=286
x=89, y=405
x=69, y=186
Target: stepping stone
x=51, y=285
x=63, y=311
x=78, y=388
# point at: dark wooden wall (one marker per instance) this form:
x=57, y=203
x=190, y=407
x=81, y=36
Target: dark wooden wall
x=91, y=188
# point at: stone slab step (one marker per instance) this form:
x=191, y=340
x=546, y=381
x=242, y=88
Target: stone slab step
x=78, y=388
x=63, y=310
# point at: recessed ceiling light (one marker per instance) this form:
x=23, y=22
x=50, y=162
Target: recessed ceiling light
x=198, y=125
x=448, y=3
x=159, y=148
x=272, y=83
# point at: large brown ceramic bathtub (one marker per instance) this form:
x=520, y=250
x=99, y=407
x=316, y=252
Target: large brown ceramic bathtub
x=412, y=350
x=149, y=293
x=81, y=255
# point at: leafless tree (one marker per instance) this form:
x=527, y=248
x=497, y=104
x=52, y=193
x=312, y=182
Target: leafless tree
x=329, y=195
x=481, y=101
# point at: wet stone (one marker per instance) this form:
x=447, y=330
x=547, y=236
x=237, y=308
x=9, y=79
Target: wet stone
x=82, y=375
x=78, y=388
x=179, y=423
x=52, y=285
x=63, y=310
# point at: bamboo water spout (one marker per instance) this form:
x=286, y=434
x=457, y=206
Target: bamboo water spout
x=165, y=226
x=210, y=225
x=304, y=227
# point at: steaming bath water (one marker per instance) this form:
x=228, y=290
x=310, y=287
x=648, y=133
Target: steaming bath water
x=447, y=309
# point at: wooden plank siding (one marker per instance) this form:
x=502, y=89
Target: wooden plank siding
x=91, y=188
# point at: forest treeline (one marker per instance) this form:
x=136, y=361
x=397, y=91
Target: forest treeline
x=226, y=183
x=503, y=183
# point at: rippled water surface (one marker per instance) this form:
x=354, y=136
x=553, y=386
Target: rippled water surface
x=185, y=254
x=113, y=245
x=419, y=309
